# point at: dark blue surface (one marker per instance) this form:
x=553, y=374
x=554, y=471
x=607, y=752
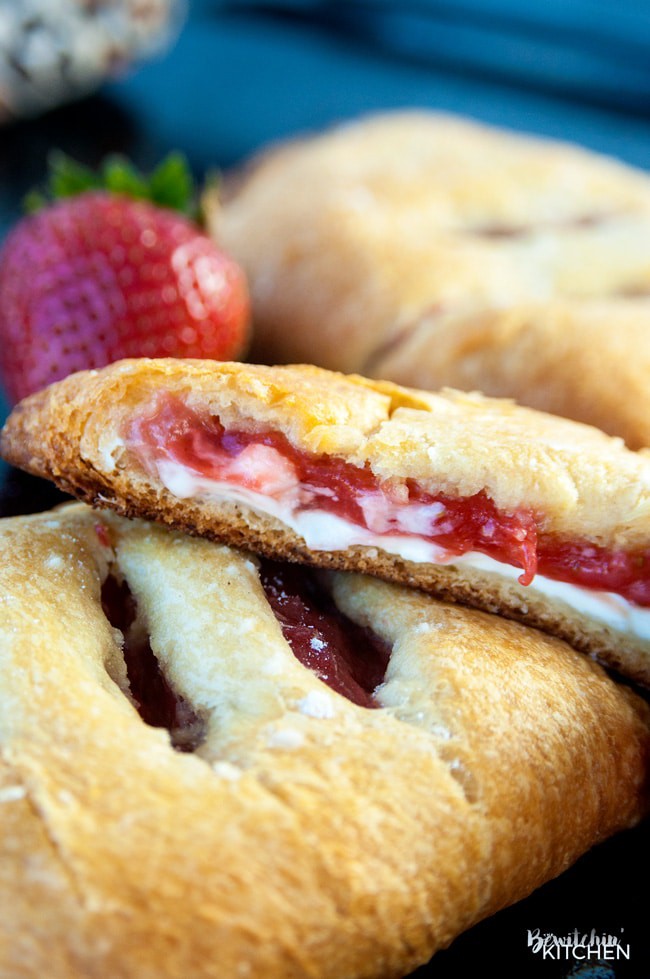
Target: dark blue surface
x=236, y=80
x=241, y=76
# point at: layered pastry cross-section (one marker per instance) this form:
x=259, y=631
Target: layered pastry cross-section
x=213, y=767
x=468, y=498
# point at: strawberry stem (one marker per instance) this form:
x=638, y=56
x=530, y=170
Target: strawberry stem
x=69, y=178
x=170, y=185
x=119, y=176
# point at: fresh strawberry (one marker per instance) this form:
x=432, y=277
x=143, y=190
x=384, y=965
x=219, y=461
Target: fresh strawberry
x=107, y=274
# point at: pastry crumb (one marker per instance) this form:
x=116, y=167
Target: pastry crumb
x=227, y=771
x=12, y=793
x=285, y=737
x=317, y=704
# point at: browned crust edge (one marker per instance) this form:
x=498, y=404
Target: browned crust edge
x=245, y=528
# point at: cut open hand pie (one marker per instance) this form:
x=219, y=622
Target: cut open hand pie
x=468, y=498
x=183, y=794
x=433, y=251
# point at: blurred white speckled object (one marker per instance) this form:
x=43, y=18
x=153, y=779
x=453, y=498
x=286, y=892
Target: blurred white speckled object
x=52, y=51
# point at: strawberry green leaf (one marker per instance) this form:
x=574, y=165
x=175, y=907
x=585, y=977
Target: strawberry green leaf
x=34, y=201
x=119, y=176
x=171, y=184
x=69, y=178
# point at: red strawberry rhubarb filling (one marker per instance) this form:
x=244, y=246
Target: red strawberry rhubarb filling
x=349, y=659
x=335, y=504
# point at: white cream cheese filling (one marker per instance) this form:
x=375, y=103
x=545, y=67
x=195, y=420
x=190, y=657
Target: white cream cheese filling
x=323, y=531
x=603, y=606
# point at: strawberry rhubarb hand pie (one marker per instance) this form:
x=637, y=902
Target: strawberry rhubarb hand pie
x=432, y=251
x=468, y=498
x=214, y=765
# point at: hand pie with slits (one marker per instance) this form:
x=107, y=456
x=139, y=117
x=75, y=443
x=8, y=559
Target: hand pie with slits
x=431, y=250
x=216, y=766
x=469, y=498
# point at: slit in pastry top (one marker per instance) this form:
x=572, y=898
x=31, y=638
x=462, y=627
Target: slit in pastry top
x=156, y=701
x=333, y=504
x=350, y=659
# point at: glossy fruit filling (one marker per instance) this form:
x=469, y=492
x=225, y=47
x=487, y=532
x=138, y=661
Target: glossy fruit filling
x=349, y=659
x=266, y=463
x=158, y=705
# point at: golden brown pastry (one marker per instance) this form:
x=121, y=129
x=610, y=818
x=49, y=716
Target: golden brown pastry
x=471, y=499
x=292, y=833
x=435, y=251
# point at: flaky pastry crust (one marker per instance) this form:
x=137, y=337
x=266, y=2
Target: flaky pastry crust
x=304, y=836
x=435, y=251
x=584, y=484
